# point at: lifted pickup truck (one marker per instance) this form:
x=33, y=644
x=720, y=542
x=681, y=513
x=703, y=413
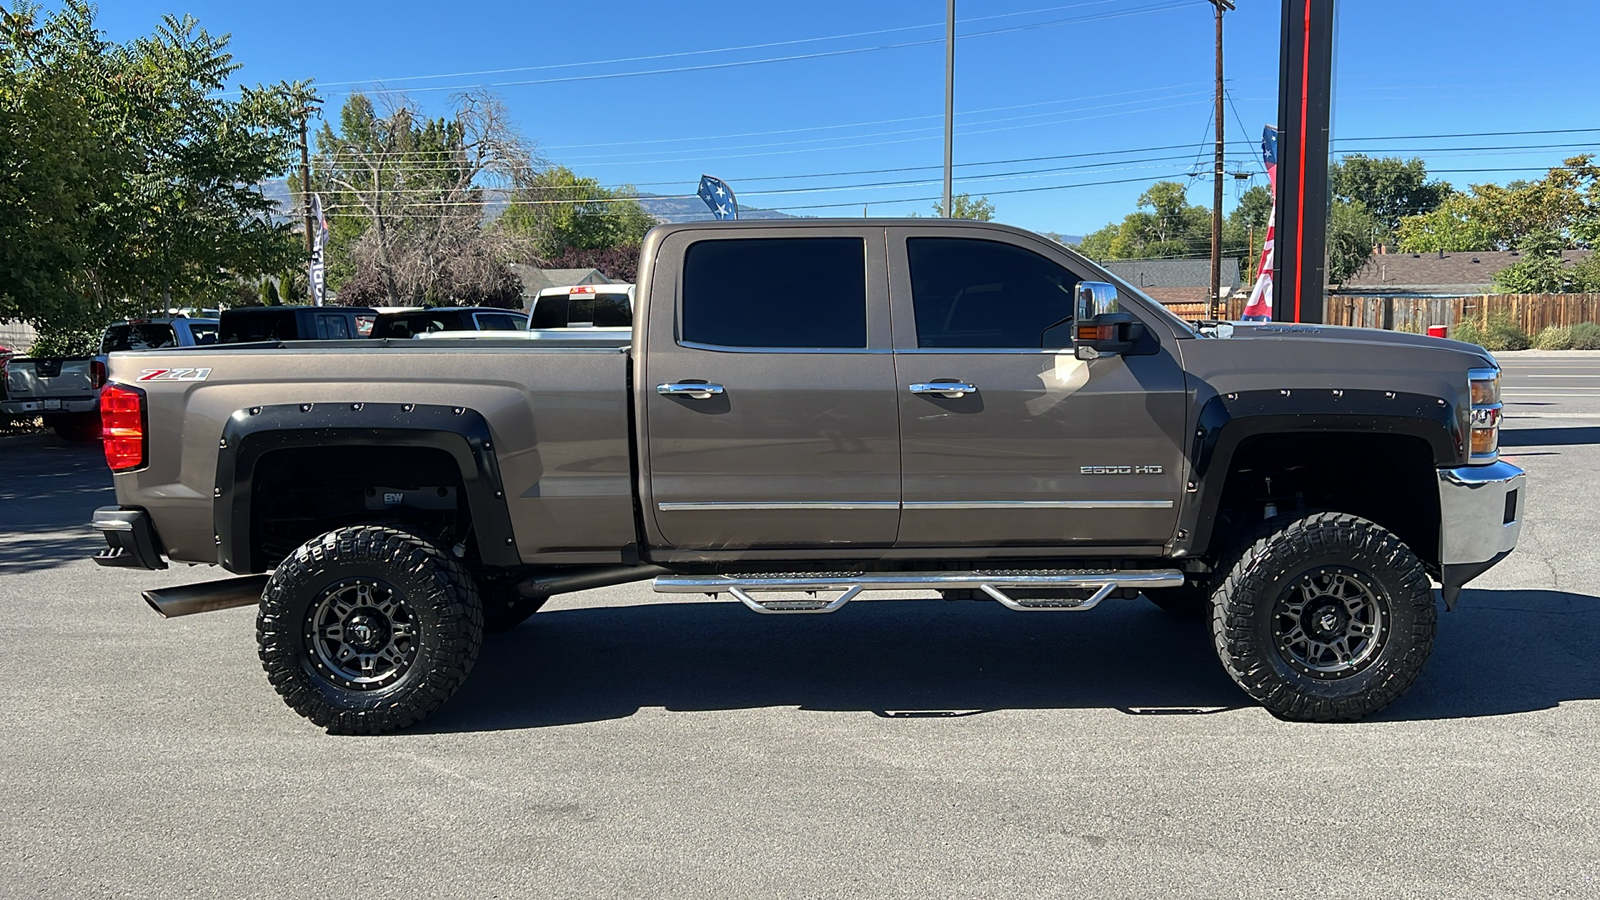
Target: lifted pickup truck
x=809, y=411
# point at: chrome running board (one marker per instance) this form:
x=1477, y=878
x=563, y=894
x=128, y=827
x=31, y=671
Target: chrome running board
x=1102, y=582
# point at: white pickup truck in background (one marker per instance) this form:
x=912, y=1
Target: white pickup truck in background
x=65, y=391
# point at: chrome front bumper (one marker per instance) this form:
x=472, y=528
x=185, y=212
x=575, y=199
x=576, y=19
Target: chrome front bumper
x=1480, y=518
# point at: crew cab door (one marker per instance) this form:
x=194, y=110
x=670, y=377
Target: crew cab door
x=769, y=391
x=1027, y=446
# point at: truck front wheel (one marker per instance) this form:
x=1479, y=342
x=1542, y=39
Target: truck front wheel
x=1329, y=618
x=368, y=629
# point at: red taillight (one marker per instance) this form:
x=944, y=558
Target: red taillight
x=122, y=424
x=97, y=374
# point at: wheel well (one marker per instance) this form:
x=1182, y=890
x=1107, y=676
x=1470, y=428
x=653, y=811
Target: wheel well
x=1387, y=478
x=301, y=492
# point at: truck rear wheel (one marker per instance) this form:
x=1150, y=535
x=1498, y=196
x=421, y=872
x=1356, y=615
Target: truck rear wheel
x=1328, y=618
x=368, y=628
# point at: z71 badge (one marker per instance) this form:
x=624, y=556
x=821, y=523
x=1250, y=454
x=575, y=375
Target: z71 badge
x=174, y=374
x=1119, y=470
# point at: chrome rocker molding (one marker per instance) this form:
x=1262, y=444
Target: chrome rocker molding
x=673, y=506
x=1101, y=581
x=1480, y=519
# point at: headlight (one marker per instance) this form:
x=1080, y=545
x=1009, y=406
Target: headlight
x=1484, y=419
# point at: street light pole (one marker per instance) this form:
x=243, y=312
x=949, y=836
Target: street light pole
x=949, y=100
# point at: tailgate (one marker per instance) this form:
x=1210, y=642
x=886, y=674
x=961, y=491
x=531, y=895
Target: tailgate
x=50, y=379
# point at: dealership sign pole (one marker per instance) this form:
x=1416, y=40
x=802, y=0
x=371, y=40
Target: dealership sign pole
x=1305, y=99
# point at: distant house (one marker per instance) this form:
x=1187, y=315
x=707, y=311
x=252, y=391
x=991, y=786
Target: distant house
x=535, y=279
x=1175, y=280
x=1440, y=274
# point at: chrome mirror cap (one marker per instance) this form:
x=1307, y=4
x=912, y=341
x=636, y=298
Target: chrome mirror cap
x=1096, y=298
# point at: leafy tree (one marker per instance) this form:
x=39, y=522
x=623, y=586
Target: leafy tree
x=556, y=210
x=1542, y=269
x=126, y=178
x=966, y=208
x=1245, y=230
x=1566, y=203
x=1389, y=188
x=1353, y=231
x=617, y=263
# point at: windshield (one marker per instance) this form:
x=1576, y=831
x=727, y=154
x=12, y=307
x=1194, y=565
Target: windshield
x=137, y=336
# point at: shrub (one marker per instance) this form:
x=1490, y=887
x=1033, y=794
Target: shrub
x=1469, y=331
x=1586, y=336
x=1496, y=335
x=1556, y=337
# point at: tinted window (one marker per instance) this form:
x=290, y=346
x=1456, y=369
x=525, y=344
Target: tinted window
x=549, y=312
x=245, y=327
x=138, y=337
x=500, y=322
x=972, y=293
x=612, y=310
x=203, y=334
x=776, y=292
x=333, y=327
x=404, y=325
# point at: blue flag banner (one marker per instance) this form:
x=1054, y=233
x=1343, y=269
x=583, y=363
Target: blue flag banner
x=717, y=195
x=1269, y=145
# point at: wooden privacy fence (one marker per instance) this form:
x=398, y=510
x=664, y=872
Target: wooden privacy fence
x=1533, y=312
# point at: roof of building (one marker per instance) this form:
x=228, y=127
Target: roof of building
x=1437, y=273
x=1173, y=273
x=535, y=279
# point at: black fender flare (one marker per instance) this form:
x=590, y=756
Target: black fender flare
x=249, y=434
x=1225, y=421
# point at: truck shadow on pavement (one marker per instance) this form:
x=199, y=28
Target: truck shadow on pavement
x=49, y=489
x=1501, y=652
x=1539, y=437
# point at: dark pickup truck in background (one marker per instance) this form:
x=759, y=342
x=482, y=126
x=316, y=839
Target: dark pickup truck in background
x=249, y=324
x=810, y=410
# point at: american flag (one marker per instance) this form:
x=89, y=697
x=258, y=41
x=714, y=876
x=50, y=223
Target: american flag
x=1260, y=303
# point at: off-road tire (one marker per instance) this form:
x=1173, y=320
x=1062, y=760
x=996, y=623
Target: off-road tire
x=77, y=427
x=1254, y=628
x=504, y=608
x=440, y=611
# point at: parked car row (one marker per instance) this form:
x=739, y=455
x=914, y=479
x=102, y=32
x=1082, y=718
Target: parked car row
x=65, y=391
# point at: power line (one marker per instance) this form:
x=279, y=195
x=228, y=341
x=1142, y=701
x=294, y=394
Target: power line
x=683, y=53
x=791, y=58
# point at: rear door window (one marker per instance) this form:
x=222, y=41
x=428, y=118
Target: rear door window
x=973, y=294
x=776, y=292
x=333, y=327
x=500, y=322
x=138, y=336
x=244, y=328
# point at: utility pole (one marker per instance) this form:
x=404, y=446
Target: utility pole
x=949, y=100
x=1216, y=196
x=305, y=176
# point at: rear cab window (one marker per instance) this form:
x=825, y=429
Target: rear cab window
x=791, y=292
x=138, y=336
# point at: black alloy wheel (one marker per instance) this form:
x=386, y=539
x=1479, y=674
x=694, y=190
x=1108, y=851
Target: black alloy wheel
x=368, y=628
x=1329, y=617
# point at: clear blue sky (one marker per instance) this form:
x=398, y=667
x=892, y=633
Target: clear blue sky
x=1093, y=76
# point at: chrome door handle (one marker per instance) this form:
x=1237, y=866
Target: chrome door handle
x=692, y=390
x=950, y=390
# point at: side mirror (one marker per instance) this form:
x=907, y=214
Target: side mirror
x=1101, y=328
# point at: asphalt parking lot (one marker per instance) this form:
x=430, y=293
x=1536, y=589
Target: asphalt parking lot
x=622, y=744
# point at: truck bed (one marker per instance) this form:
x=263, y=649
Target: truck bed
x=559, y=417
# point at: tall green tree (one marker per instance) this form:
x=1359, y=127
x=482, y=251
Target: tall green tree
x=127, y=177
x=964, y=207
x=558, y=210
x=1388, y=188
x=1565, y=203
x=1353, y=233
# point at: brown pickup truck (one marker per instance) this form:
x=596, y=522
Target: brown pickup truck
x=807, y=411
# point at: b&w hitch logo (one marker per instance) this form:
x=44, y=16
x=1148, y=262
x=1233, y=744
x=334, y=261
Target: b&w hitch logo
x=174, y=374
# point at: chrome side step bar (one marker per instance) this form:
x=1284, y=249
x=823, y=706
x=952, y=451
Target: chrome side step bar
x=1100, y=581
